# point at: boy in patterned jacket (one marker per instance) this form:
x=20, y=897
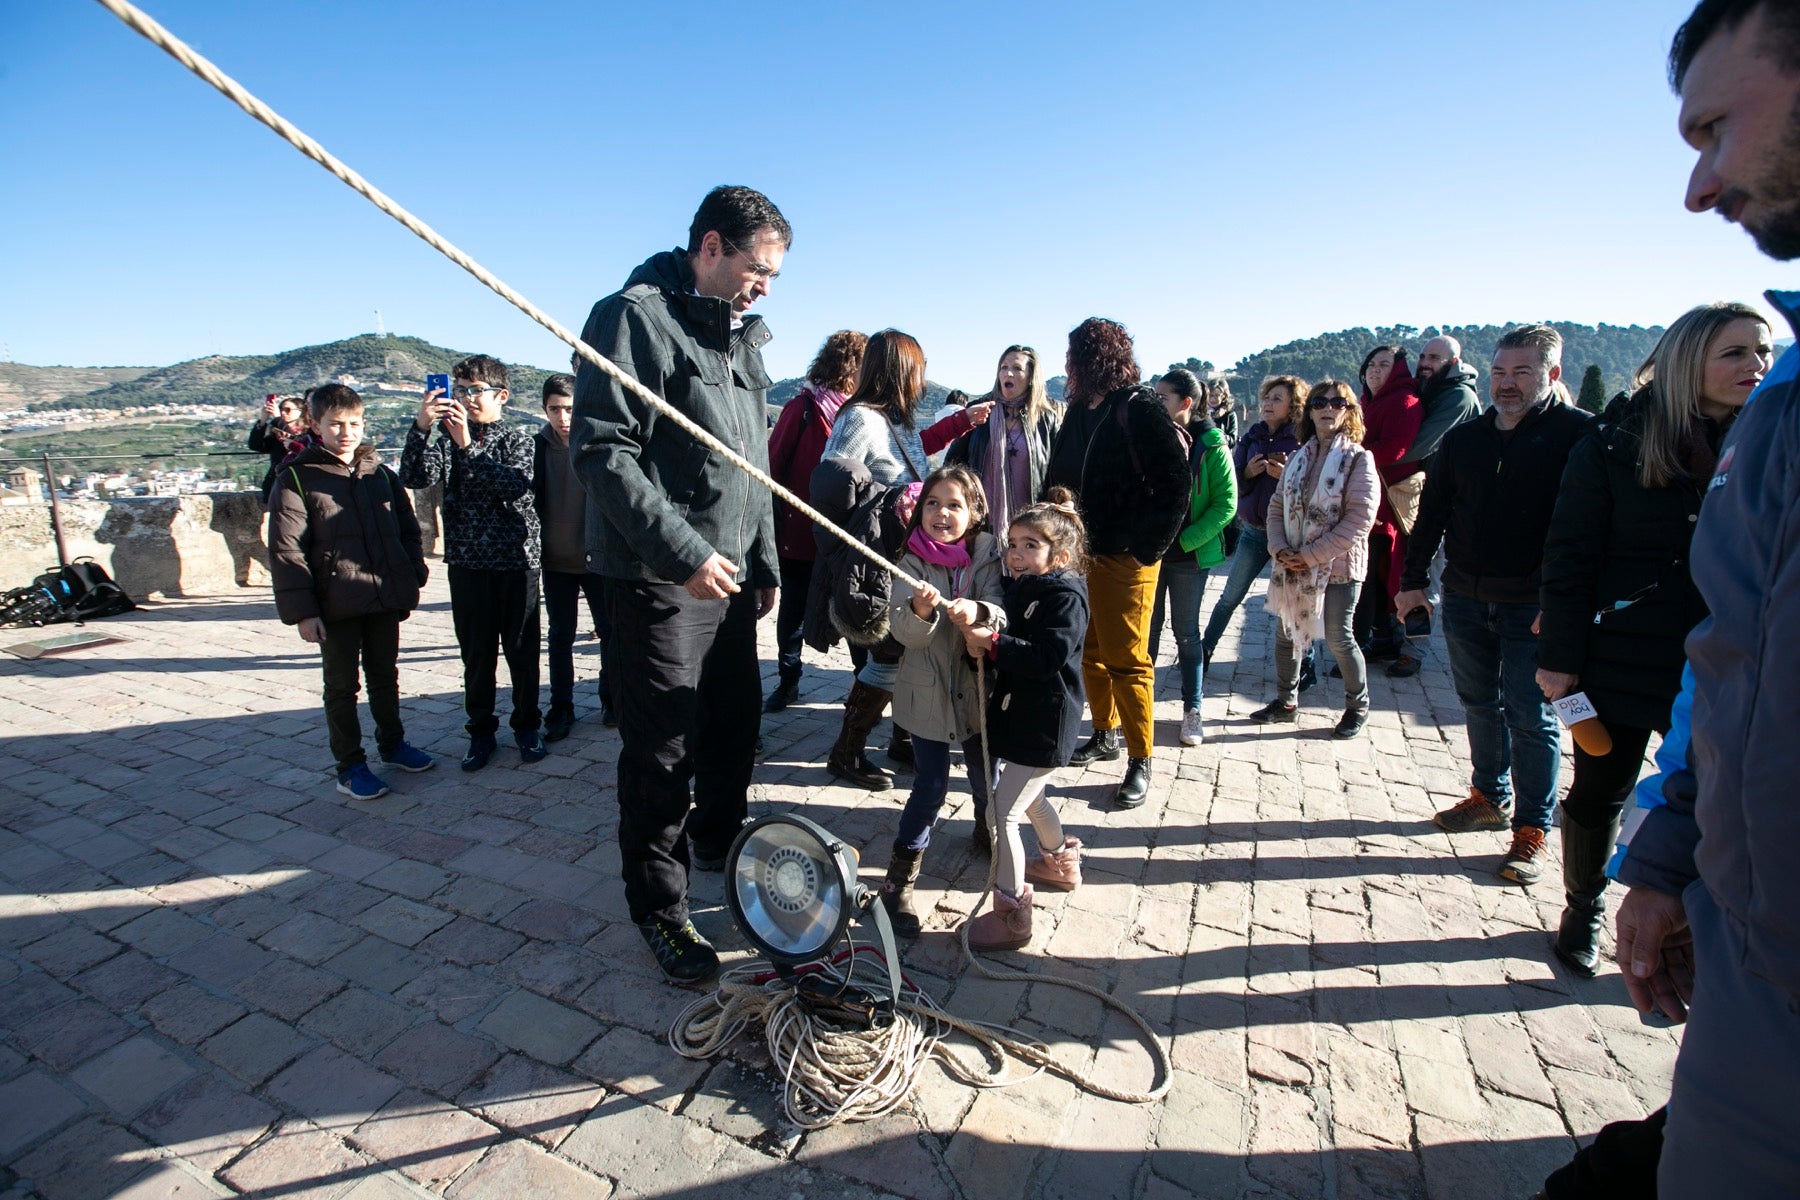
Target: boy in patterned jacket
x=490, y=545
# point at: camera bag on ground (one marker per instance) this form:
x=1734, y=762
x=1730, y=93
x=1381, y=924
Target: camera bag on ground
x=78, y=592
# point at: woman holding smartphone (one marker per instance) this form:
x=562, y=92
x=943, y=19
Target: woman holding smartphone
x=1259, y=458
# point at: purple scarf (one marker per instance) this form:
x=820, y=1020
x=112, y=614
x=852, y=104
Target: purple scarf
x=953, y=556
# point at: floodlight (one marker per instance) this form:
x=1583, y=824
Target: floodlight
x=791, y=886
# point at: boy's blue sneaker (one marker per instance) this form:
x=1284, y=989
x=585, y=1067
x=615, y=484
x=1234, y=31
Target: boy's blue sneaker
x=408, y=757
x=531, y=746
x=481, y=748
x=360, y=783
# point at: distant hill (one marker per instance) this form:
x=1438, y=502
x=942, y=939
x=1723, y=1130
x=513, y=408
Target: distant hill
x=1617, y=349
x=246, y=379
x=22, y=385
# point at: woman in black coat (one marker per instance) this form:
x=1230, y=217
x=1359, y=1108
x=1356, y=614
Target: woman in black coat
x=1617, y=596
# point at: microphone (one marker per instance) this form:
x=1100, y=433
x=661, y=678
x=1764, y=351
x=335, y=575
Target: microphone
x=1583, y=722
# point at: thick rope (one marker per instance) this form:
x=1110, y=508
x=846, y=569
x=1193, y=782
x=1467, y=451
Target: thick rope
x=184, y=54
x=792, y=1032
x=1164, y=1072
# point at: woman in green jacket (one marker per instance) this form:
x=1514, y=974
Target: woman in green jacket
x=1200, y=546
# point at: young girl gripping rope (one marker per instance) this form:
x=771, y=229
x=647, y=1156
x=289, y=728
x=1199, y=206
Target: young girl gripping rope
x=935, y=696
x=1034, y=710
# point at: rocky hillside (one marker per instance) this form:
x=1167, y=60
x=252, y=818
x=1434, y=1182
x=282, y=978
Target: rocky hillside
x=22, y=386
x=246, y=379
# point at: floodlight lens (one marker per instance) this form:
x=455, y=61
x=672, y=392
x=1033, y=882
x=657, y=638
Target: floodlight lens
x=787, y=888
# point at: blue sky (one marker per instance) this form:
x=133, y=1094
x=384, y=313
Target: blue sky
x=1220, y=177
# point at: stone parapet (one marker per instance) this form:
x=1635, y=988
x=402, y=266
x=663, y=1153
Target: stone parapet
x=177, y=545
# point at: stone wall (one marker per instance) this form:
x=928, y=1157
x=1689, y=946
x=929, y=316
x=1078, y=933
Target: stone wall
x=176, y=545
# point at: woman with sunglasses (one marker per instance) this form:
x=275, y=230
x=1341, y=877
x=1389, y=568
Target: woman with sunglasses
x=1318, y=527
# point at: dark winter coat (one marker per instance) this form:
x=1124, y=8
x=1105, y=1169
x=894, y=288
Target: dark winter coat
x=660, y=503
x=269, y=436
x=1488, y=499
x=1254, y=494
x=1731, y=811
x=490, y=511
x=1449, y=400
x=1133, y=494
x=795, y=446
x=1615, y=542
x=343, y=540
x=848, y=596
x=1035, y=694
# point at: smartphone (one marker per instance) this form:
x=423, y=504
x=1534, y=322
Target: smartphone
x=438, y=383
x=1418, y=622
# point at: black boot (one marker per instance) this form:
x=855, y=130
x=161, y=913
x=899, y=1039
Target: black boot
x=1585, y=852
x=897, y=892
x=900, y=749
x=785, y=693
x=1104, y=746
x=862, y=711
x=1135, y=787
x=983, y=840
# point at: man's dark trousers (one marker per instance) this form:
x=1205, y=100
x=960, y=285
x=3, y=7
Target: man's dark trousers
x=495, y=612
x=375, y=640
x=562, y=604
x=688, y=691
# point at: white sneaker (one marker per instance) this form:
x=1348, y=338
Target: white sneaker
x=1193, y=731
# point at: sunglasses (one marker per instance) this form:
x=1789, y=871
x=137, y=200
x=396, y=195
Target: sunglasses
x=1335, y=402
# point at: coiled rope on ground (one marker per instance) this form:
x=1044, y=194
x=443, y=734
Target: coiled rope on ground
x=833, y=1074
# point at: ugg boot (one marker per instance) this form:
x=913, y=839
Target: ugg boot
x=1057, y=870
x=983, y=841
x=897, y=892
x=1585, y=852
x=1006, y=926
x=847, y=760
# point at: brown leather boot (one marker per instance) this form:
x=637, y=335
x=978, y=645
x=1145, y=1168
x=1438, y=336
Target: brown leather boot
x=847, y=760
x=897, y=892
x=1006, y=926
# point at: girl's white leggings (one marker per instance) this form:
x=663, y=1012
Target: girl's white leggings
x=1020, y=797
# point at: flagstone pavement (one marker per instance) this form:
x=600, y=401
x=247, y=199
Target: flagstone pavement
x=218, y=976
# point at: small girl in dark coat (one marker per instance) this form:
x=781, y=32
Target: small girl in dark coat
x=1034, y=710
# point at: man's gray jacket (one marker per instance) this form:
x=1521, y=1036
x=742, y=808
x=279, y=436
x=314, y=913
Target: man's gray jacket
x=659, y=503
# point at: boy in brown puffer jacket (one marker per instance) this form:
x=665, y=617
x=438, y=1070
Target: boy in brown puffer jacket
x=347, y=562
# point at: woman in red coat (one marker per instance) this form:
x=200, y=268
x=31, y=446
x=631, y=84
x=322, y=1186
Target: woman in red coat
x=795, y=445
x=1392, y=412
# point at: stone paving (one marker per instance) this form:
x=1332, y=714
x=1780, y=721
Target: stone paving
x=218, y=976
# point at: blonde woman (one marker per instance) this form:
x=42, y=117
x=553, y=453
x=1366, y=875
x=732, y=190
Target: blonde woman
x=1318, y=526
x=1618, y=600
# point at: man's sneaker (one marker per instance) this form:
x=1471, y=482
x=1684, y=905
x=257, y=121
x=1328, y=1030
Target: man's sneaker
x=683, y=955
x=1524, y=860
x=1474, y=811
x=1277, y=713
x=360, y=783
x=408, y=757
x=481, y=748
x=1193, y=730
x=531, y=746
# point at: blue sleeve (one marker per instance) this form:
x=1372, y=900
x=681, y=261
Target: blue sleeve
x=1657, y=841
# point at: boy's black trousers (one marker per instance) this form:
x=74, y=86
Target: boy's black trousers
x=375, y=641
x=497, y=611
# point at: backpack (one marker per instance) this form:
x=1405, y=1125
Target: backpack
x=79, y=591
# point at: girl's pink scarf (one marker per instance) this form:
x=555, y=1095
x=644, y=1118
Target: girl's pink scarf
x=953, y=556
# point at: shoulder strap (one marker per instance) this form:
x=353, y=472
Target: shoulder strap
x=912, y=466
x=1122, y=414
x=294, y=474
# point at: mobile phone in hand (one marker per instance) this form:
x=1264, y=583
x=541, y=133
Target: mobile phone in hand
x=1418, y=622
